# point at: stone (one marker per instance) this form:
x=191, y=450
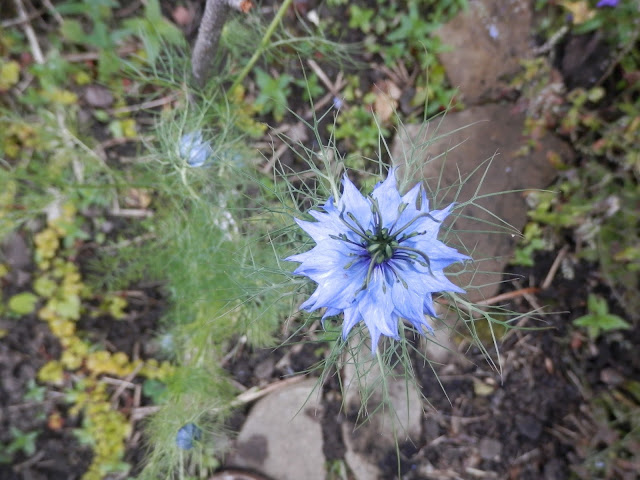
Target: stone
x=490, y=449
x=488, y=140
x=379, y=426
x=487, y=40
x=98, y=96
x=282, y=436
x=16, y=251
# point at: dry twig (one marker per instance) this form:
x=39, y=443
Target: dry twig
x=29, y=32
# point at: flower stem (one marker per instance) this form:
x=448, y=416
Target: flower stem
x=263, y=43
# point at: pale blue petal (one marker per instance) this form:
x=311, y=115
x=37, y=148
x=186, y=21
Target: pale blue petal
x=408, y=303
x=429, y=309
x=389, y=200
x=440, y=255
x=376, y=306
x=351, y=318
x=353, y=202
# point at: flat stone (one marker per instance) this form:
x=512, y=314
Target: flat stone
x=490, y=132
x=282, y=436
x=487, y=42
x=379, y=426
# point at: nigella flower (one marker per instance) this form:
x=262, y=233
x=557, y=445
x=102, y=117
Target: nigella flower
x=607, y=3
x=187, y=435
x=194, y=150
x=377, y=259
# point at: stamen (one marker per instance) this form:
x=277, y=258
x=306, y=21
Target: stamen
x=419, y=199
x=376, y=209
x=397, y=275
x=420, y=253
x=425, y=214
x=352, y=228
x=372, y=264
x=353, y=217
x=401, y=208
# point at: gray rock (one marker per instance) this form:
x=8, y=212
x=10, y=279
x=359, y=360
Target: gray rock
x=282, y=436
x=488, y=41
x=490, y=449
x=450, y=149
x=98, y=96
x=16, y=251
x=380, y=425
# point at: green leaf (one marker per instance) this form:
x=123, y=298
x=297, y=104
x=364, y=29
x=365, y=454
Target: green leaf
x=273, y=93
x=155, y=390
x=22, y=442
x=152, y=11
x=23, y=303
x=612, y=322
x=599, y=319
x=45, y=286
x=597, y=305
x=72, y=31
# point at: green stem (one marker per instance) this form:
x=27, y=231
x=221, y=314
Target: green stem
x=263, y=44
x=181, y=466
x=183, y=176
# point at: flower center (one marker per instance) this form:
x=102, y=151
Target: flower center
x=381, y=245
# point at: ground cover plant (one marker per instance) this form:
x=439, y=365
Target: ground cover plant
x=160, y=230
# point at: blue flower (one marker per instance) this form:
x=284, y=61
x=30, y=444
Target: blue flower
x=607, y=3
x=377, y=259
x=194, y=150
x=187, y=435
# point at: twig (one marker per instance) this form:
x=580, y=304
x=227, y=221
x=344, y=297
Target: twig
x=554, y=268
x=30, y=33
x=141, y=412
x=126, y=383
x=474, y=472
x=114, y=142
x=254, y=394
x=321, y=75
x=86, y=56
x=249, y=396
x=508, y=296
x=53, y=11
x=555, y=38
x=145, y=105
x=20, y=20
x=126, y=243
x=116, y=211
